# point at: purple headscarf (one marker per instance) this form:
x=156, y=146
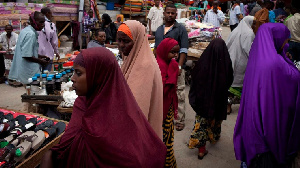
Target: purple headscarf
x=269, y=114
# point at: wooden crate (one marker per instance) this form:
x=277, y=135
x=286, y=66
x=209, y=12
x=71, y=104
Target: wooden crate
x=35, y=159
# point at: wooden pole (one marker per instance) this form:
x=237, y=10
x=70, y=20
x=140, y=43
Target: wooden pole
x=63, y=29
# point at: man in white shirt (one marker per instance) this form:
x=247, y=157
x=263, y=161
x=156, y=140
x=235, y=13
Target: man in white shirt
x=214, y=16
x=8, y=40
x=155, y=17
x=235, y=12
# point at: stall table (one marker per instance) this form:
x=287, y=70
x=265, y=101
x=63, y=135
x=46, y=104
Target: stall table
x=66, y=112
x=34, y=160
x=43, y=102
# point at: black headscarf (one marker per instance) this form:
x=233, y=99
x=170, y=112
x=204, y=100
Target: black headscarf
x=211, y=78
x=107, y=19
x=111, y=30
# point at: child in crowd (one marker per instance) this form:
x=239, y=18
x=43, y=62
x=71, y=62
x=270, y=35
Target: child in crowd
x=167, y=50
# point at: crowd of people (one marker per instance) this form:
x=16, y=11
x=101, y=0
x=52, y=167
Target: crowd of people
x=125, y=116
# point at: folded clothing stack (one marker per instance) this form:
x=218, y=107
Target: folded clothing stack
x=134, y=5
x=72, y=2
x=21, y=135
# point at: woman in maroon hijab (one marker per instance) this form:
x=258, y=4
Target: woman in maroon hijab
x=107, y=128
x=167, y=50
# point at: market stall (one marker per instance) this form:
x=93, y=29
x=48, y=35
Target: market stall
x=34, y=130
x=53, y=89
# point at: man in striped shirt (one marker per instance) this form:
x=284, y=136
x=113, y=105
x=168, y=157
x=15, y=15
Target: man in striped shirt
x=214, y=16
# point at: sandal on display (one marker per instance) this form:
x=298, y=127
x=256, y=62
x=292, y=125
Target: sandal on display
x=38, y=141
x=7, y=118
x=44, y=125
x=25, y=147
x=54, y=132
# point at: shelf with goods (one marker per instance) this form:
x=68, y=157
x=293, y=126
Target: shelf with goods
x=135, y=7
x=32, y=158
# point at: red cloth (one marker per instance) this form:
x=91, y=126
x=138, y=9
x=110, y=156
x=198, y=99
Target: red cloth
x=107, y=127
x=169, y=73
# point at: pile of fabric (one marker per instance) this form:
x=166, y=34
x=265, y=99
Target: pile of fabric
x=135, y=5
x=71, y=2
x=12, y=13
x=64, y=9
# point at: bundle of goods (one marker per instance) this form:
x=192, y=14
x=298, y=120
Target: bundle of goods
x=179, y=5
x=204, y=34
x=202, y=31
x=64, y=9
x=71, y=2
x=199, y=45
x=133, y=5
x=24, y=135
x=195, y=25
x=69, y=98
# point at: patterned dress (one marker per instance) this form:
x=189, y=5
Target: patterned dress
x=168, y=138
x=204, y=130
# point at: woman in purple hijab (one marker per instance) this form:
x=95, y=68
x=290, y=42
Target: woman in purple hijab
x=267, y=129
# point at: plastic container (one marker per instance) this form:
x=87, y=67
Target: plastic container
x=28, y=87
x=68, y=64
x=69, y=73
x=57, y=83
x=65, y=77
x=51, y=75
x=50, y=86
x=34, y=86
x=46, y=72
x=110, y=6
x=44, y=77
x=38, y=76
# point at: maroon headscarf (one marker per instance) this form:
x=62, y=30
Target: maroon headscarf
x=169, y=73
x=107, y=128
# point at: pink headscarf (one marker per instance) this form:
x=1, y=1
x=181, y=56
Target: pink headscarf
x=142, y=74
x=169, y=73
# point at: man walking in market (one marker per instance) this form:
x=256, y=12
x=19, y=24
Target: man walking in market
x=8, y=40
x=172, y=29
x=48, y=40
x=214, y=16
x=26, y=62
x=235, y=17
